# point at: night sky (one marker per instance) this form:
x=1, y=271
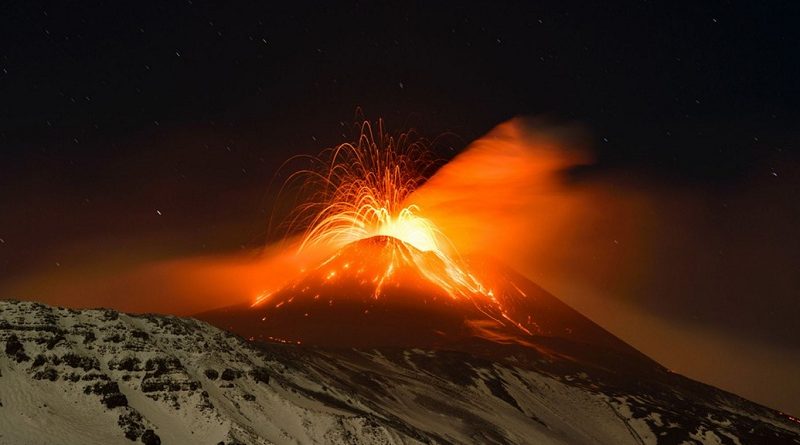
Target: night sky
x=132, y=133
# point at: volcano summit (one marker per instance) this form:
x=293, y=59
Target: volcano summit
x=381, y=291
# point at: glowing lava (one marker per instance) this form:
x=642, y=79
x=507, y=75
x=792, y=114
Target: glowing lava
x=383, y=292
x=359, y=191
x=379, y=272
x=362, y=188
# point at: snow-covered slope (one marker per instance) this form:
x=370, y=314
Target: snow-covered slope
x=101, y=377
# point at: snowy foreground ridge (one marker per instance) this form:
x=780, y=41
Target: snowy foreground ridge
x=102, y=377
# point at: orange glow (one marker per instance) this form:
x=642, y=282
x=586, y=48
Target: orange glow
x=506, y=197
x=502, y=197
x=389, y=232
x=360, y=191
x=507, y=191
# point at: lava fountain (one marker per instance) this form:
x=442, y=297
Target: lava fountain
x=360, y=190
x=382, y=272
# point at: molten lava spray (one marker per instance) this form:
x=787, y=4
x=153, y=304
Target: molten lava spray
x=376, y=189
x=360, y=190
x=504, y=197
x=388, y=243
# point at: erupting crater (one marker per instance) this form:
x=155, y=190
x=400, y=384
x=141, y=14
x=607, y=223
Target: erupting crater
x=383, y=292
x=391, y=277
x=378, y=291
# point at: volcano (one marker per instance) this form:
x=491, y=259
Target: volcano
x=380, y=316
x=382, y=343
x=383, y=292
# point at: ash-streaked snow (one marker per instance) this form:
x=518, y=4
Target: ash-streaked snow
x=102, y=377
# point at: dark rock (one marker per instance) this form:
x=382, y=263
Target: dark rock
x=116, y=338
x=14, y=348
x=47, y=374
x=151, y=385
x=89, y=337
x=79, y=361
x=498, y=389
x=109, y=394
x=150, y=438
x=55, y=339
x=131, y=423
x=129, y=364
x=205, y=404
x=38, y=361
x=230, y=374
x=161, y=365
x=72, y=377
x=260, y=375
x=115, y=400
x=140, y=335
x=95, y=376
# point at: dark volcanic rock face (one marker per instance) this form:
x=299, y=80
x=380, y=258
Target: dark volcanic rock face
x=100, y=377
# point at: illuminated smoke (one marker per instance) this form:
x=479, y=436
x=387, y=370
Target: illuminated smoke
x=359, y=191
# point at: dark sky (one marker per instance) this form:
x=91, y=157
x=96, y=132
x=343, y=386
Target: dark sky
x=146, y=131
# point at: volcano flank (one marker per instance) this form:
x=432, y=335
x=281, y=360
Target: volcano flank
x=383, y=292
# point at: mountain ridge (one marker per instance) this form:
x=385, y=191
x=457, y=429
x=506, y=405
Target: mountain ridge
x=99, y=376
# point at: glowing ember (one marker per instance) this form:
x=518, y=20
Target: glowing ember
x=374, y=264
x=374, y=255
x=362, y=188
x=360, y=192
